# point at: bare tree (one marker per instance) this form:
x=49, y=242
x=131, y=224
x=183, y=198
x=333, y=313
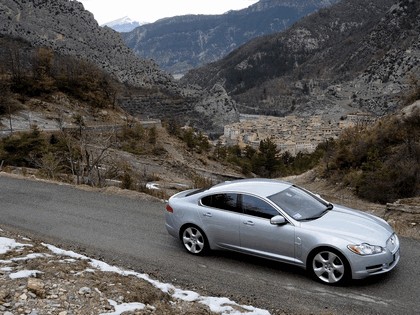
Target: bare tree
x=50, y=164
x=95, y=154
x=16, y=66
x=6, y=102
x=72, y=154
x=80, y=122
x=88, y=157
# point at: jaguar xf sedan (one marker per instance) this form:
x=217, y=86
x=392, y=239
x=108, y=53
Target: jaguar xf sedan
x=280, y=221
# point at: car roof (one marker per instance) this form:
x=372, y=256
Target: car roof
x=258, y=186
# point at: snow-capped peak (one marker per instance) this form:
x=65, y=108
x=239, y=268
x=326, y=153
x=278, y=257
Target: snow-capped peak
x=124, y=20
x=124, y=24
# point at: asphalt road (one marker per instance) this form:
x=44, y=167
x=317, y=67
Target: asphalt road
x=130, y=232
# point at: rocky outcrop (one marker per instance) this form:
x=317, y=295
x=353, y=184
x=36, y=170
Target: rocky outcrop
x=181, y=43
x=404, y=216
x=209, y=110
x=67, y=28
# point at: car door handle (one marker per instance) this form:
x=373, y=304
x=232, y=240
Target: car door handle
x=208, y=214
x=249, y=223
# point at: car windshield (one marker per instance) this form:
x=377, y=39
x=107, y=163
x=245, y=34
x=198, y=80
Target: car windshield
x=299, y=204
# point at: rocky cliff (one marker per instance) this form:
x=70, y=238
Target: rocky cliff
x=354, y=55
x=68, y=29
x=181, y=43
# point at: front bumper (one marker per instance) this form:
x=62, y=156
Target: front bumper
x=365, y=266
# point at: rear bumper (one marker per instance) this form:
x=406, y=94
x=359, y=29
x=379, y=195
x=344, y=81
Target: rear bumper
x=170, y=225
x=171, y=231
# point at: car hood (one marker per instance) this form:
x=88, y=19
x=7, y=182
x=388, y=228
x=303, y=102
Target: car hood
x=352, y=225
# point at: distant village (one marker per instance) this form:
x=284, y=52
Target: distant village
x=291, y=133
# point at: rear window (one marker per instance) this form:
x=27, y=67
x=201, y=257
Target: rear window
x=222, y=201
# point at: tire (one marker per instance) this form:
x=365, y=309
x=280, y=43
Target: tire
x=329, y=266
x=194, y=240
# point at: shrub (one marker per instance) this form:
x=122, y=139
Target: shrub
x=126, y=180
x=382, y=162
x=22, y=149
x=201, y=182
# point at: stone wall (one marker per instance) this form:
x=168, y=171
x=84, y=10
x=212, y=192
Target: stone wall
x=404, y=216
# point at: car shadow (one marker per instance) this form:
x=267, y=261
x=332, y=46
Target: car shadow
x=254, y=261
x=375, y=280
x=271, y=266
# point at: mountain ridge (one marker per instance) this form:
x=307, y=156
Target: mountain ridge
x=180, y=43
x=354, y=55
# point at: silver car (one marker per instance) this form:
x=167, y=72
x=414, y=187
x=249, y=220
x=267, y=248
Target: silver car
x=283, y=222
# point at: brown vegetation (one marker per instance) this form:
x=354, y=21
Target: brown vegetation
x=382, y=163
x=30, y=72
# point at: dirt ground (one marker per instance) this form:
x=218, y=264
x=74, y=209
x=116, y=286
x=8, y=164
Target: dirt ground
x=67, y=286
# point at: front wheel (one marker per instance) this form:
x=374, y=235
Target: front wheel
x=330, y=267
x=194, y=240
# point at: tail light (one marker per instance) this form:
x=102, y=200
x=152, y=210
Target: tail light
x=169, y=208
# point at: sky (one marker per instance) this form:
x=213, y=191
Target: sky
x=150, y=11
x=11, y=267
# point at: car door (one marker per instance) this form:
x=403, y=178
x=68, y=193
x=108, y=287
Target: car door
x=259, y=237
x=221, y=217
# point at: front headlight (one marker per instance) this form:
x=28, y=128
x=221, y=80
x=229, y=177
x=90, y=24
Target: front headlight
x=365, y=249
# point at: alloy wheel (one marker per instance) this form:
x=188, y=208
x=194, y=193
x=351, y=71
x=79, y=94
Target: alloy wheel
x=194, y=240
x=329, y=267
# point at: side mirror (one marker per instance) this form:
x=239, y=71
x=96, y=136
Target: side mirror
x=278, y=220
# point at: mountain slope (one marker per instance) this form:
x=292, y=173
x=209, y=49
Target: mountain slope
x=180, y=43
x=348, y=56
x=69, y=29
x=66, y=28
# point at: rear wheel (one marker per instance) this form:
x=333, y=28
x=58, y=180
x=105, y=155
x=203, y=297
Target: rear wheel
x=330, y=267
x=194, y=240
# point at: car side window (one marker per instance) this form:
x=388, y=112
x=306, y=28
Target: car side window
x=256, y=207
x=222, y=201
